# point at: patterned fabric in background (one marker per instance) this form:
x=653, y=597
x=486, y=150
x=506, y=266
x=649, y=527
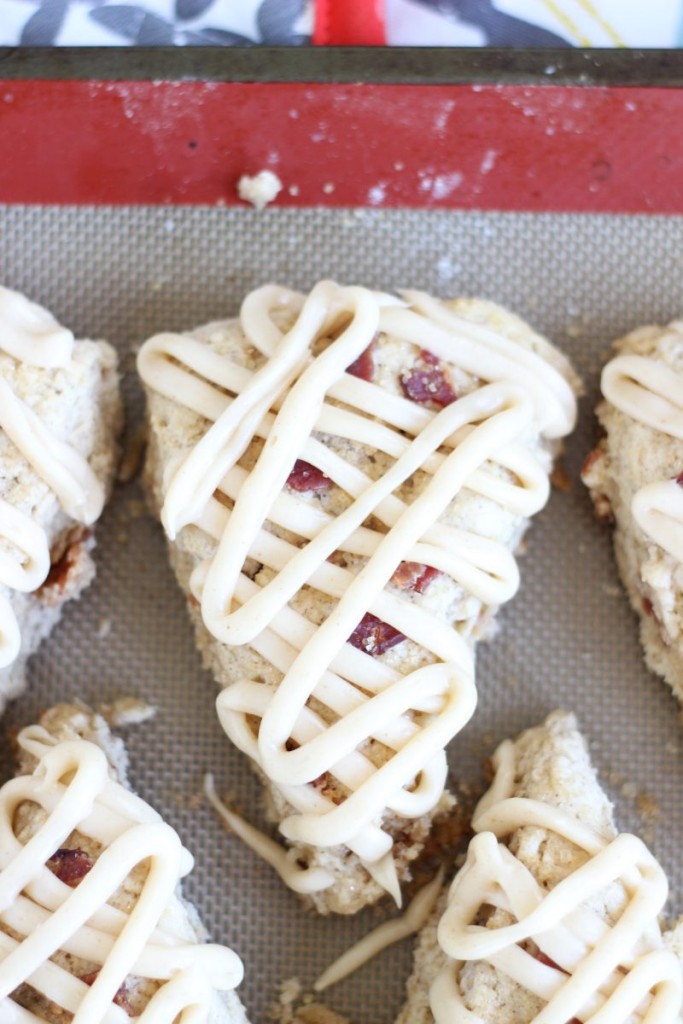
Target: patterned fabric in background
x=658, y=23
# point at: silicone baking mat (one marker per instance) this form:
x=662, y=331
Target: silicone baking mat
x=568, y=639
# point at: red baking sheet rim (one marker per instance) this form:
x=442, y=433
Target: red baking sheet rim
x=486, y=147
x=349, y=23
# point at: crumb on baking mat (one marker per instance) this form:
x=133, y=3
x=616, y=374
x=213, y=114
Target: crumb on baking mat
x=294, y=1006
x=126, y=711
x=131, y=460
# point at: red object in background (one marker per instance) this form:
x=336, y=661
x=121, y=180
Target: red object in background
x=468, y=147
x=349, y=23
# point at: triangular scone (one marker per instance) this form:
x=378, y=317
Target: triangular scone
x=383, y=510
x=532, y=912
x=92, y=922
x=60, y=414
x=635, y=476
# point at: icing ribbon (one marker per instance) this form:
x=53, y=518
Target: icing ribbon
x=590, y=970
x=336, y=705
x=651, y=393
x=72, y=786
x=31, y=335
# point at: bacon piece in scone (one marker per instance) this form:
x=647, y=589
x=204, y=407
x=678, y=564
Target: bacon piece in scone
x=60, y=416
x=344, y=478
x=546, y=885
x=116, y=857
x=635, y=476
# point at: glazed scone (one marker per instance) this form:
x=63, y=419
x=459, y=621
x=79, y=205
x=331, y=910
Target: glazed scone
x=546, y=887
x=79, y=850
x=60, y=415
x=339, y=575
x=635, y=476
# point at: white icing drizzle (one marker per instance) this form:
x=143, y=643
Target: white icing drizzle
x=282, y=861
x=29, y=334
x=387, y=934
x=72, y=785
x=652, y=393
x=647, y=390
x=413, y=716
x=605, y=974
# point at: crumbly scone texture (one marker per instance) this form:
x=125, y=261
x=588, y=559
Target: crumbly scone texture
x=629, y=456
x=69, y=722
x=673, y=939
x=174, y=431
x=79, y=404
x=553, y=766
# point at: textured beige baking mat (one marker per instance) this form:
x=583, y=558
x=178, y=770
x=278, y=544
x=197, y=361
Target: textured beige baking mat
x=568, y=639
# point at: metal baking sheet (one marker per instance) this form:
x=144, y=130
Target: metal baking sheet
x=568, y=639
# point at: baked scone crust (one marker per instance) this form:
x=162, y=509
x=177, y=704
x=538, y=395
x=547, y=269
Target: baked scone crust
x=552, y=766
x=67, y=722
x=175, y=430
x=628, y=457
x=79, y=404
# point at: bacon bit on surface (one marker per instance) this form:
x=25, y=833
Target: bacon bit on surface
x=59, y=575
x=305, y=477
x=543, y=959
x=560, y=478
x=121, y=997
x=428, y=383
x=603, y=509
x=364, y=366
x=323, y=784
x=648, y=607
x=70, y=866
x=679, y=479
x=414, y=576
x=374, y=636
x=589, y=463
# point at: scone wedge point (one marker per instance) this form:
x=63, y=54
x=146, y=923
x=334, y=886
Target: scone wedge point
x=93, y=928
x=554, y=918
x=635, y=476
x=60, y=415
x=343, y=477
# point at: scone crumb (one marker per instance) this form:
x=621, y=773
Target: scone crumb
x=136, y=508
x=560, y=478
x=259, y=189
x=131, y=461
x=126, y=711
x=318, y=1013
x=283, y=1011
x=290, y=991
x=296, y=1007
x=648, y=807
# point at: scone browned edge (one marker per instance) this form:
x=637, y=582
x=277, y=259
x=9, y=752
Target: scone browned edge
x=629, y=456
x=173, y=430
x=69, y=722
x=553, y=766
x=82, y=405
